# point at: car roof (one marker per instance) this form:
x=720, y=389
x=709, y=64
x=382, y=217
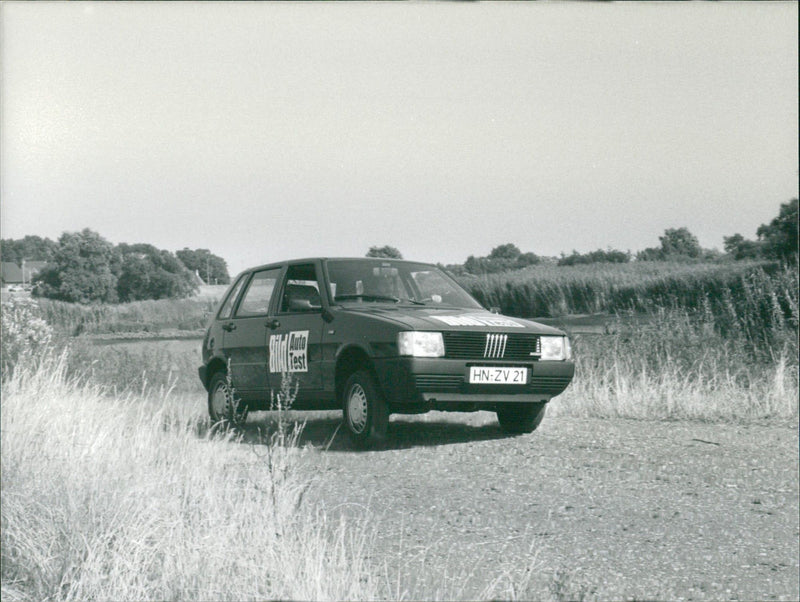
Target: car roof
x=323, y=259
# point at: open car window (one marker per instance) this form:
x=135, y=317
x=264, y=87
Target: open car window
x=301, y=293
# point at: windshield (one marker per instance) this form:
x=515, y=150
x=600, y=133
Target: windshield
x=387, y=281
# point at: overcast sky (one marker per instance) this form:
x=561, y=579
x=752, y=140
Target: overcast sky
x=270, y=131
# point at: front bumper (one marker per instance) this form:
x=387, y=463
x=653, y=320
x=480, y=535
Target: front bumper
x=427, y=380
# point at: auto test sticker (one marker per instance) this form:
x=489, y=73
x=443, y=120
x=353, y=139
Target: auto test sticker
x=289, y=352
x=479, y=320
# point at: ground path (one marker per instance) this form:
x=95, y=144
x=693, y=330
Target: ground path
x=596, y=508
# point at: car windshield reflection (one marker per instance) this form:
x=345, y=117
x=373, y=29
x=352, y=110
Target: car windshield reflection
x=398, y=282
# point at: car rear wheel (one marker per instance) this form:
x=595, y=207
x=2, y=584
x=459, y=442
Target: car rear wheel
x=365, y=414
x=520, y=417
x=222, y=402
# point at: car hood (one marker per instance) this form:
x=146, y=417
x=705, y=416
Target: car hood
x=452, y=318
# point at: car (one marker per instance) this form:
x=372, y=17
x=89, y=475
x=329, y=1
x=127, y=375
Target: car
x=373, y=337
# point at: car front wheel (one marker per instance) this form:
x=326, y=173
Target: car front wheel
x=520, y=417
x=365, y=414
x=222, y=402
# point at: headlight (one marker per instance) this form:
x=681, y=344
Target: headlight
x=555, y=348
x=420, y=344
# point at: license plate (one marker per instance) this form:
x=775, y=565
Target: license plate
x=495, y=375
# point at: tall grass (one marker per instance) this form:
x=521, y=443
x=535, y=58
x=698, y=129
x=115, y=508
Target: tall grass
x=73, y=319
x=699, y=341
x=124, y=499
x=681, y=364
x=136, y=366
x=548, y=291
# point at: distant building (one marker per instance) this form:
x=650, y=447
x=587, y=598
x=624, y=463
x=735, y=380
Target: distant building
x=14, y=274
x=11, y=273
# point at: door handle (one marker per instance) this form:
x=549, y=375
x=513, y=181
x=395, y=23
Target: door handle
x=230, y=326
x=273, y=324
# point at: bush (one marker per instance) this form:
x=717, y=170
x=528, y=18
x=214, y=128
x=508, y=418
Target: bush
x=599, y=256
x=25, y=336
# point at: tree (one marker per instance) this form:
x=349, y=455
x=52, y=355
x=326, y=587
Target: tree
x=508, y=251
x=650, y=254
x=150, y=273
x=385, y=251
x=740, y=248
x=502, y=258
x=679, y=242
x=780, y=236
x=81, y=270
x=210, y=267
x=599, y=256
x=29, y=248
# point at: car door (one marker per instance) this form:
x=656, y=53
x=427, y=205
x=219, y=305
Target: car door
x=296, y=332
x=245, y=335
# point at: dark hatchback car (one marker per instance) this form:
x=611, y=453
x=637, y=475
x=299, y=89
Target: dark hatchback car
x=375, y=337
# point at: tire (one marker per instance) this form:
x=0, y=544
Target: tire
x=220, y=407
x=520, y=417
x=364, y=411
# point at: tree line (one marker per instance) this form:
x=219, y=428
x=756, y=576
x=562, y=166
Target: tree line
x=776, y=240
x=84, y=267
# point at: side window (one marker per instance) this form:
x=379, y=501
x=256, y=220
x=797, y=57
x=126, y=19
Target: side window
x=225, y=310
x=258, y=294
x=301, y=292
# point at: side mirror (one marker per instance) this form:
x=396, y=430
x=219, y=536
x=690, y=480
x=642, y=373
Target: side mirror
x=302, y=305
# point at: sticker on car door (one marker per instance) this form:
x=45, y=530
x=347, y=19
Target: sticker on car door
x=289, y=352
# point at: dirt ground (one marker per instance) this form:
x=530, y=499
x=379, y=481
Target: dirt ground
x=582, y=508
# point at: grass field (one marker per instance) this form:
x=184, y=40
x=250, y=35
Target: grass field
x=547, y=290
x=132, y=497
x=115, y=487
x=153, y=317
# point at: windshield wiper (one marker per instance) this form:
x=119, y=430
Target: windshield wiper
x=368, y=296
x=376, y=298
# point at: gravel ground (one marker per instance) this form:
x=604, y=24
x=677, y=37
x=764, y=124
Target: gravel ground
x=582, y=508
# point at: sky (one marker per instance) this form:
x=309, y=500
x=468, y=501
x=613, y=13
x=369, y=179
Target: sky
x=268, y=131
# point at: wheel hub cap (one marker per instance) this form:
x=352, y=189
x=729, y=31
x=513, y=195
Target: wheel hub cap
x=357, y=408
x=220, y=401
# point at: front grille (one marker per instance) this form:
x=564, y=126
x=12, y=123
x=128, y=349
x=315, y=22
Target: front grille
x=479, y=345
x=552, y=385
x=437, y=382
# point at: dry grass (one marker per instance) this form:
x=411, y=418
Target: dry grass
x=151, y=316
x=676, y=365
x=134, y=498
